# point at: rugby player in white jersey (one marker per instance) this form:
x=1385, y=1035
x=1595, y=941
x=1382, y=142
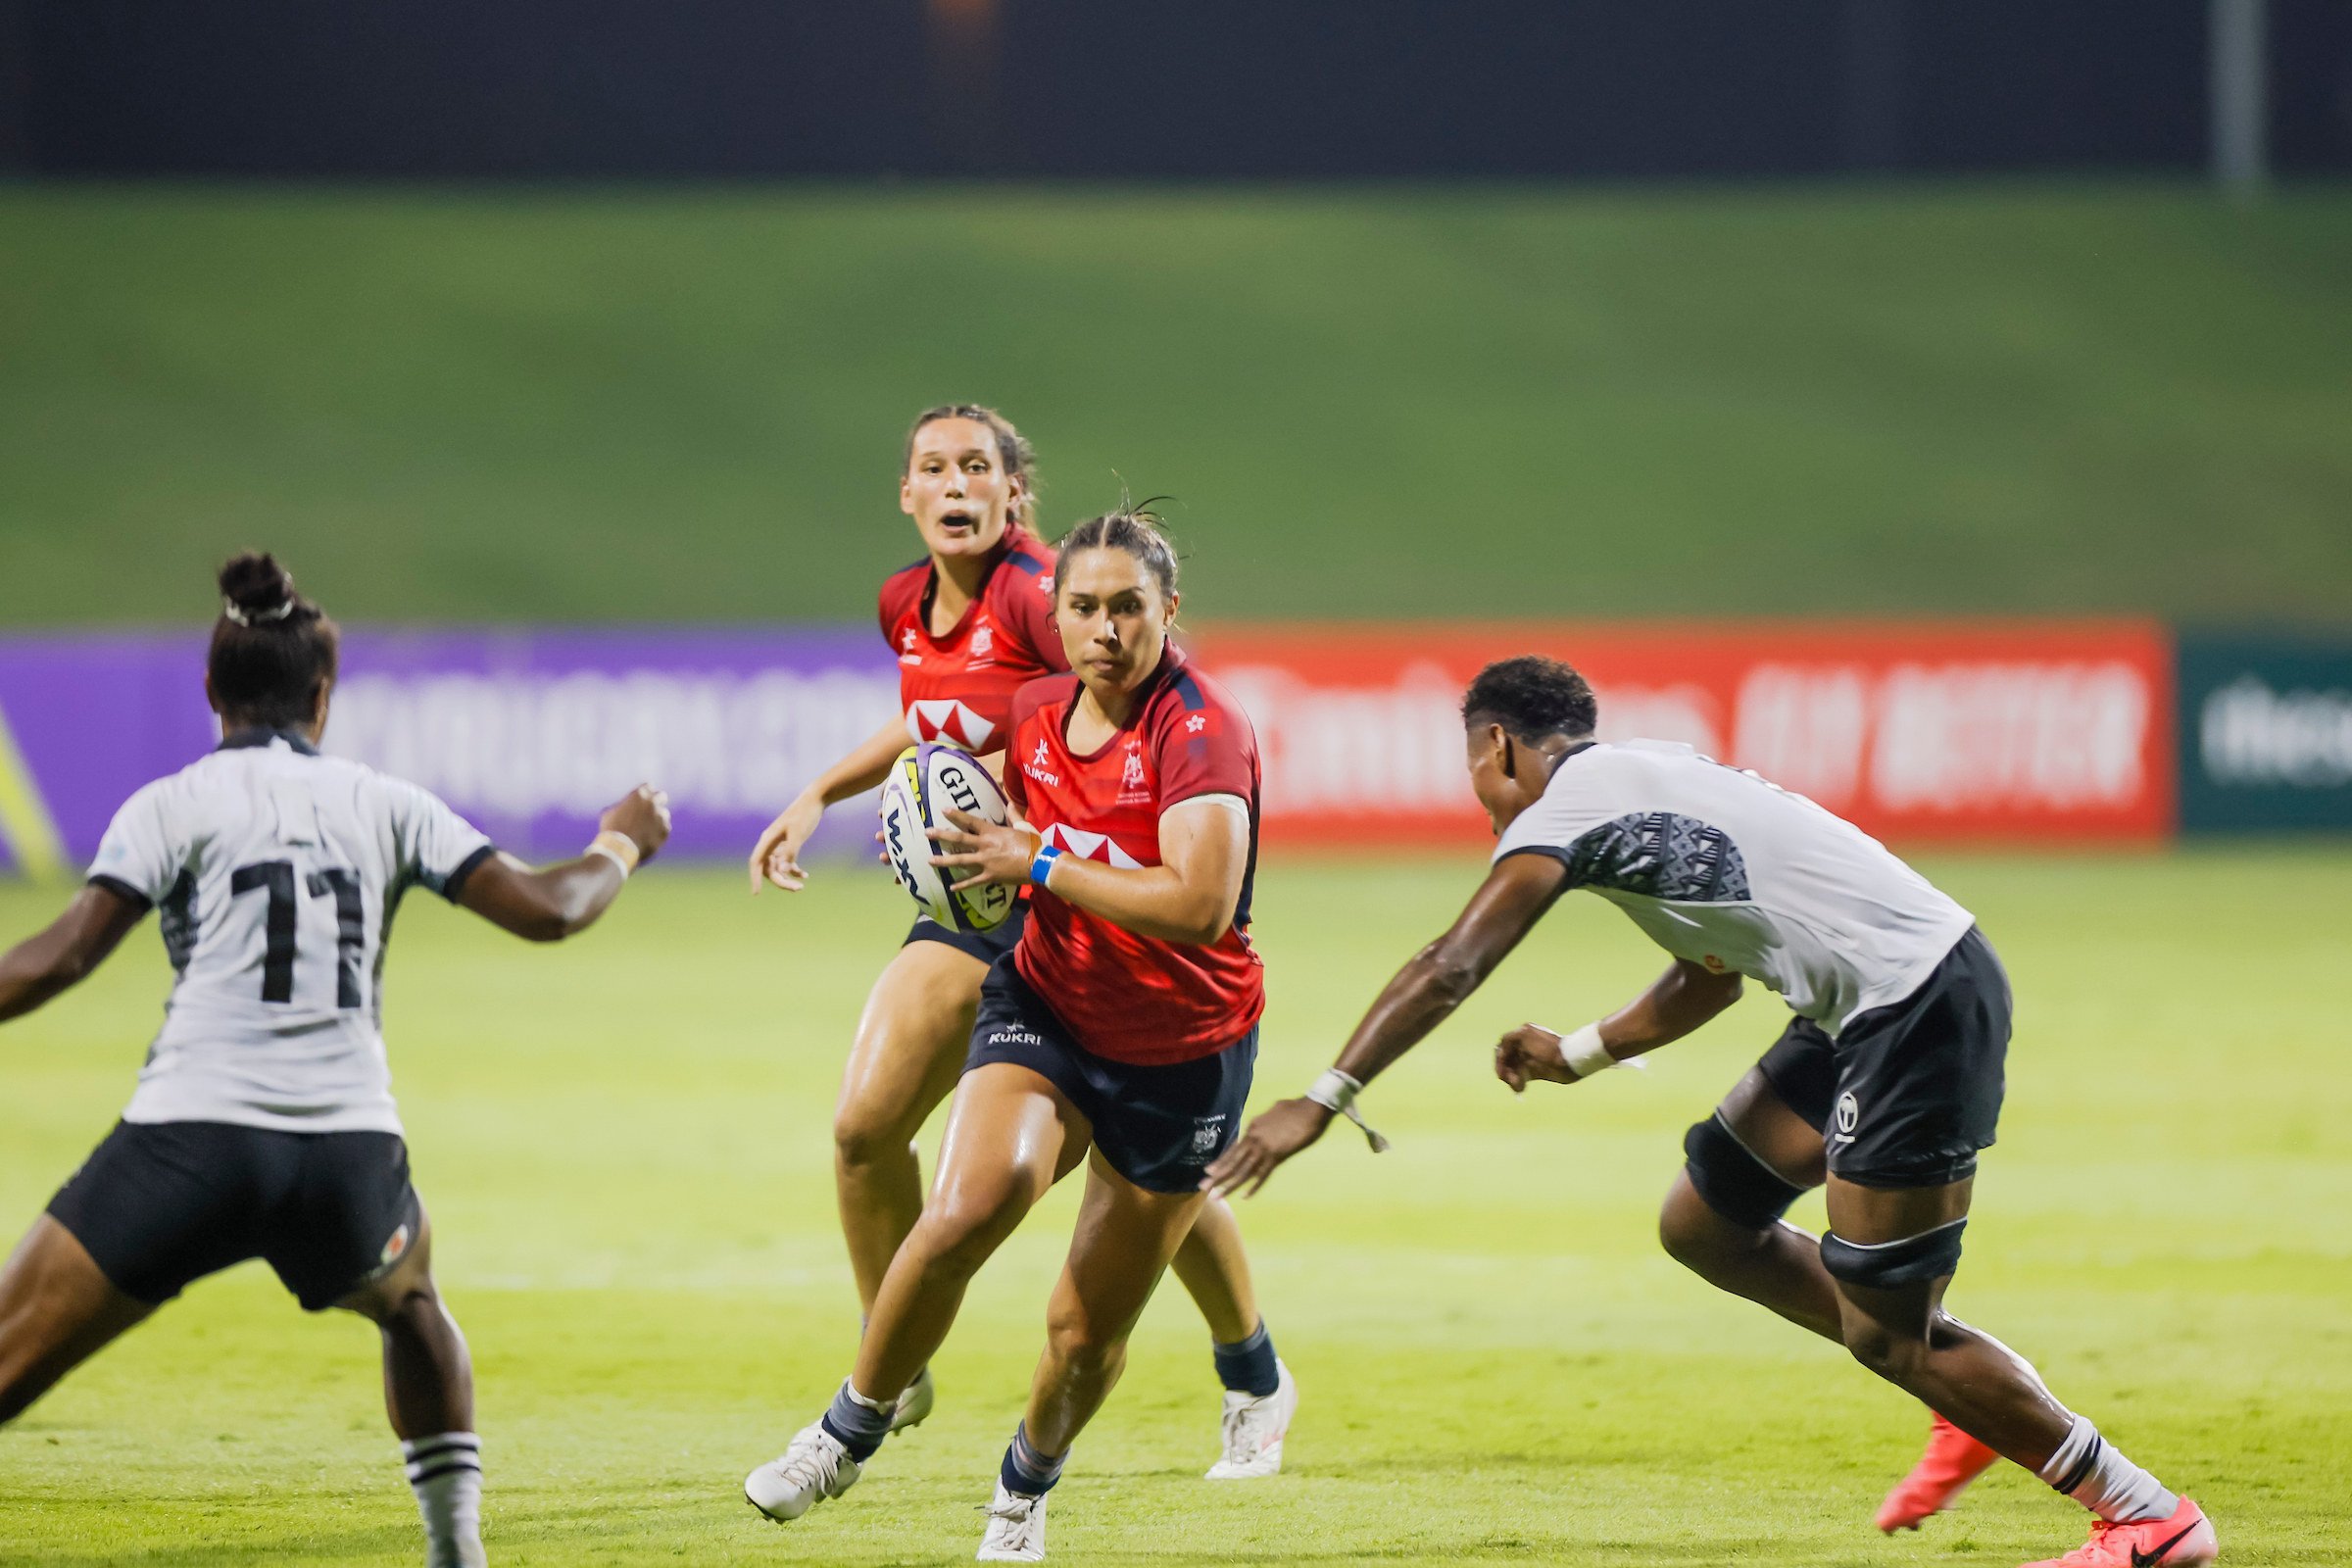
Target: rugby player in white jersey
x=263, y=1124
x=1885, y=1084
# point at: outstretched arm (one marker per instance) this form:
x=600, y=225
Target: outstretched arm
x=776, y=857
x=1439, y=978
x=77, y=942
x=557, y=900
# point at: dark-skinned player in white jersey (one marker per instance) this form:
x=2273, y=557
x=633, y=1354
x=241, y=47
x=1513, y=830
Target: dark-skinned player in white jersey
x=264, y=1125
x=1885, y=1084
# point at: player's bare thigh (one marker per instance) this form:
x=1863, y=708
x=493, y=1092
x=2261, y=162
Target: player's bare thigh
x=1873, y=1216
x=910, y=1043
x=1778, y=1136
x=1011, y=1136
x=57, y=1309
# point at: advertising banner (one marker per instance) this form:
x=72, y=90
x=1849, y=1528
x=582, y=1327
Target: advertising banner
x=2266, y=732
x=1920, y=732
x=528, y=733
x=2058, y=731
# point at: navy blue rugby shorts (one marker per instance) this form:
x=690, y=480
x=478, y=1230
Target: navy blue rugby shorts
x=986, y=946
x=1160, y=1127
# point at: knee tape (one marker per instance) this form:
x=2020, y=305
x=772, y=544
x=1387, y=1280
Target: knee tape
x=1887, y=1265
x=1733, y=1182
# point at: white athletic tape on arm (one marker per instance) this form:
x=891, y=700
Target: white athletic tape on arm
x=617, y=847
x=1336, y=1092
x=1584, y=1052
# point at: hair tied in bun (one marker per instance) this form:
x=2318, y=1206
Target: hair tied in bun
x=273, y=652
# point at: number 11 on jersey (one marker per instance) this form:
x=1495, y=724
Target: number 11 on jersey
x=280, y=925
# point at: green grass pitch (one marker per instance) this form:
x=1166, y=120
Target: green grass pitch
x=624, y=1146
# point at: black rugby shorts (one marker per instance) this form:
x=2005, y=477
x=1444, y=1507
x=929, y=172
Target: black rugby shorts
x=1908, y=1092
x=160, y=1205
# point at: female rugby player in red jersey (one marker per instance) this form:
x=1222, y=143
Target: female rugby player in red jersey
x=971, y=622
x=1124, y=1021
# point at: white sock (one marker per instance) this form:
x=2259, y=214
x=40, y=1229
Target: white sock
x=2090, y=1470
x=445, y=1474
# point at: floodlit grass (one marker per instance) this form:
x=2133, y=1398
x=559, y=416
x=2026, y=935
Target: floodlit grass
x=646, y=404
x=625, y=1145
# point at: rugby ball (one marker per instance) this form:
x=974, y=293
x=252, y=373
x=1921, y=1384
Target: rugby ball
x=925, y=783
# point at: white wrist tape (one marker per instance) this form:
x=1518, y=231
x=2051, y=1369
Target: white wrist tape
x=1584, y=1052
x=1336, y=1092
x=617, y=847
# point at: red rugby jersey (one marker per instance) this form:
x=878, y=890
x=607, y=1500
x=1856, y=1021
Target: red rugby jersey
x=958, y=686
x=1130, y=998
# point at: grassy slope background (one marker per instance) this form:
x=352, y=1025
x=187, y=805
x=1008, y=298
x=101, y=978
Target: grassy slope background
x=625, y=1145
x=686, y=405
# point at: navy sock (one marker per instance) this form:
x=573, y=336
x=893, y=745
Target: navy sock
x=857, y=1425
x=1027, y=1471
x=1249, y=1368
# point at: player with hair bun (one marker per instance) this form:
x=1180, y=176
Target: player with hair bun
x=971, y=622
x=1885, y=1085
x=263, y=1124
x=1119, y=1032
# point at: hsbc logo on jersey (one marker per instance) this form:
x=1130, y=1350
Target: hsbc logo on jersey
x=1090, y=847
x=946, y=719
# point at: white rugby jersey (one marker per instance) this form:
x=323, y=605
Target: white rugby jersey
x=275, y=872
x=1723, y=868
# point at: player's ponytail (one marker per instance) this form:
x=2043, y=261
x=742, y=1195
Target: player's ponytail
x=272, y=651
x=1013, y=452
x=1136, y=529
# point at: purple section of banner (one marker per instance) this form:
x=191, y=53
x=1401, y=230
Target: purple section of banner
x=528, y=732
x=94, y=718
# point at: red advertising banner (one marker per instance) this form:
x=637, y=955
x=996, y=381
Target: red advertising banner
x=1947, y=732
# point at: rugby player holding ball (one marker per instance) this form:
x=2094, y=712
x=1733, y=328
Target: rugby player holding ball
x=971, y=623
x=1119, y=1032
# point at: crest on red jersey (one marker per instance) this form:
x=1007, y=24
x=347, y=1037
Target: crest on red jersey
x=1135, y=785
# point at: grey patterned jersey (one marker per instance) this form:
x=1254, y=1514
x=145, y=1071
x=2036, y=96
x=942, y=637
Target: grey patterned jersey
x=275, y=872
x=1724, y=869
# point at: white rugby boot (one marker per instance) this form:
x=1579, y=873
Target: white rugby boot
x=813, y=1468
x=1016, y=1529
x=1255, y=1428
x=914, y=1405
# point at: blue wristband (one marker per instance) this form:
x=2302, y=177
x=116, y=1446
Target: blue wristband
x=1042, y=867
